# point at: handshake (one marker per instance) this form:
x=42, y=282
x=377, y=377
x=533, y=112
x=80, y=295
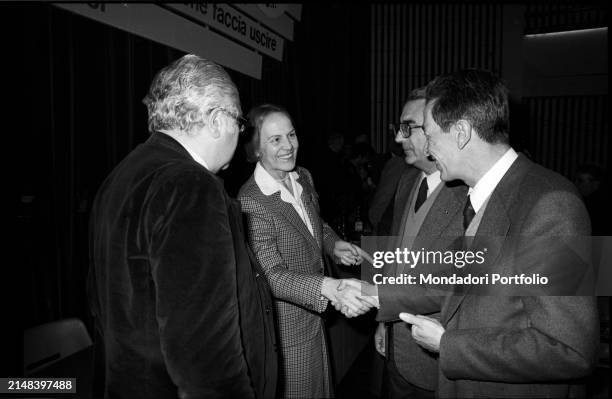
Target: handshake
x=352, y=297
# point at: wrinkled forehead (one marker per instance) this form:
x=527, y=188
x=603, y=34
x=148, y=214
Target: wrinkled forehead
x=276, y=123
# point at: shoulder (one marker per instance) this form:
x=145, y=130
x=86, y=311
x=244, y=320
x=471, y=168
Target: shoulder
x=409, y=176
x=545, y=196
x=187, y=183
x=250, y=196
x=301, y=171
x=249, y=189
x=539, y=181
x=189, y=175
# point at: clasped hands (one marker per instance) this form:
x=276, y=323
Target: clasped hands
x=352, y=297
x=348, y=254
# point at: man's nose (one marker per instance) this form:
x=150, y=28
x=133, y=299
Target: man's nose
x=287, y=143
x=398, y=136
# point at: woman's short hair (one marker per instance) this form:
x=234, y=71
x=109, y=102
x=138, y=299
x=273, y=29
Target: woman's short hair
x=182, y=94
x=256, y=117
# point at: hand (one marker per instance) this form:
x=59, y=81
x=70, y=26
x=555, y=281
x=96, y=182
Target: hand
x=345, y=301
x=426, y=331
x=379, y=338
x=347, y=253
x=368, y=293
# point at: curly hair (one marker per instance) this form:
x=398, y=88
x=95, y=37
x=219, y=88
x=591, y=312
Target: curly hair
x=183, y=94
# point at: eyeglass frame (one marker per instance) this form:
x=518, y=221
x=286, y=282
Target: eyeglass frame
x=241, y=121
x=405, y=134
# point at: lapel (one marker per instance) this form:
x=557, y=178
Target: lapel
x=276, y=205
x=494, y=226
x=308, y=199
x=443, y=213
x=402, y=196
x=405, y=195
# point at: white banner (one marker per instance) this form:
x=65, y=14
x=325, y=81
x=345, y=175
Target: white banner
x=233, y=23
x=273, y=10
x=282, y=24
x=295, y=10
x=165, y=27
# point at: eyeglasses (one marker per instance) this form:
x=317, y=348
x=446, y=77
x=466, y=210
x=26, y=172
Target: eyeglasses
x=240, y=121
x=406, y=130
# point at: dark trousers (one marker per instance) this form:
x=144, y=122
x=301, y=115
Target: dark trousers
x=396, y=386
x=399, y=388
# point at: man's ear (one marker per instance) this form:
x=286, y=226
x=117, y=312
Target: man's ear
x=463, y=131
x=215, y=123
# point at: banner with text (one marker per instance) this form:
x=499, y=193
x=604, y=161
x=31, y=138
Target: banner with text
x=163, y=26
x=235, y=24
x=281, y=23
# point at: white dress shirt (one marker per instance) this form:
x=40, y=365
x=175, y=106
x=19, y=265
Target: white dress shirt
x=487, y=183
x=433, y=179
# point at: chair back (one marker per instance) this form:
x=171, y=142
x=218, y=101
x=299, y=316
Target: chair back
x=51, y=342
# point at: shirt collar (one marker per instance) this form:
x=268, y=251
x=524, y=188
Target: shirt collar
x=433, y=180
x=487, y=183
x=268, y=185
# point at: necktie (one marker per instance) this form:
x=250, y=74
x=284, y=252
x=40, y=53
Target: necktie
x=422, y=195
x=468, y=213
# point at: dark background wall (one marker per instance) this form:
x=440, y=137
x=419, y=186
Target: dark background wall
x=413, y=43
x=558, y=83
x=75, y=88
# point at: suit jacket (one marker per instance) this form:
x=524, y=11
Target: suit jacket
x=417, y=365
x=293, y=262
x=402, y=195
x=519, y=346
x=178, y=299
x=381, y=208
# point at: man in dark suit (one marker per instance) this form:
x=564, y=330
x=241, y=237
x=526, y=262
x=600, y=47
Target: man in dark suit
x=499, y=345
x=422, y=209
x=380, y=212
x=181, y=304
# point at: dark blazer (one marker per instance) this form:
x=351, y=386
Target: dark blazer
x=519, y=346
x=382, y=206
x=407, y=180
x=417, y=365
x=181, y=304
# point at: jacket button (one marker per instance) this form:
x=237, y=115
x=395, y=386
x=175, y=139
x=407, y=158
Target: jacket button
x=256, y=275
x=268, y=309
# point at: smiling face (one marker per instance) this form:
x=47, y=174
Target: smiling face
x=442, y=146
x=413, y=146
x=278, y=145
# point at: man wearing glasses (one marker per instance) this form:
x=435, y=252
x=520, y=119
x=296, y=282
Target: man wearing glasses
x=180, y=303
x=422, y=204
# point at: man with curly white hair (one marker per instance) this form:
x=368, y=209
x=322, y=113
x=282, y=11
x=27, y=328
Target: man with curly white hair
x=180, y=302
